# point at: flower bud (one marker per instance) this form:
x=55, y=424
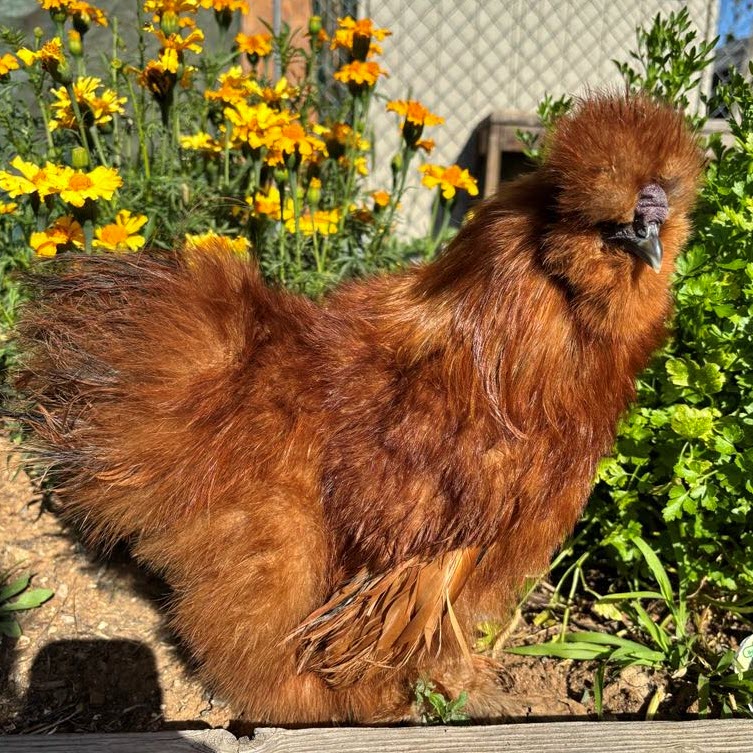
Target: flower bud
x=315, y=26
x=61, y=72
x=169, y=23
x=38, y=32
x=361, y=47
x=75, y=43
x=82, y=22
x=224, y=18
x=280, y=175
x=79, y=158
x=397, y=163
x=58, y=15
x=314, y=192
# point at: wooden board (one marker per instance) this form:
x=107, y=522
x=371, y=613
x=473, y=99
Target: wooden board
x=717, y=736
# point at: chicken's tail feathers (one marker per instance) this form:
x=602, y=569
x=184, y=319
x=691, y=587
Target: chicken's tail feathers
x=381, y=621
x=123, y=358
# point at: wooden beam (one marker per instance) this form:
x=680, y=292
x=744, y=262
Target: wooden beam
x=709, y=736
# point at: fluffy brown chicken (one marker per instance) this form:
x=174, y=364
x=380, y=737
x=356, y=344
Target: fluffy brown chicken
x=339, y=492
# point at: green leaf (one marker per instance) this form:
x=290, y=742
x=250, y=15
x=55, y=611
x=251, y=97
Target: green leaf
x=692, y=423
x=29, y=600
x=9, y=627
x=14, y=588
x=656, y=568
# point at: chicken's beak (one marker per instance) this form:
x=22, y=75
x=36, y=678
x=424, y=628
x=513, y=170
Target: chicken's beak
x=647, y=245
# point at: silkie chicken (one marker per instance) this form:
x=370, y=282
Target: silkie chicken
x=338, y=492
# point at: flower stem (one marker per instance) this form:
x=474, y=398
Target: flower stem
x=79, y=121
x=138, y=116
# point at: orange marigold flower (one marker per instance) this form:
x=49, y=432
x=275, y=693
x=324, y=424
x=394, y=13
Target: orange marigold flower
x=416, y=117
x=8, y=63
x=414, y=112
x=121, y=235
x=8, y=208
x=100, y=183
x=355, y=36
x=292, y=139
x=254, y=45
x=448, y=179
x=360, y=75
x=381, y=198
x=63, y=235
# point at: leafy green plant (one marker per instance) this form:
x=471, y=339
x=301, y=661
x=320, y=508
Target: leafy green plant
x=669, y=60
x=435, y=708
x=16, y=596
x=669, y=643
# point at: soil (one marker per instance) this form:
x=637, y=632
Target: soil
x=97, y=657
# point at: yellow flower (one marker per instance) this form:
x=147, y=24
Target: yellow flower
x=80, y=10
x=51, y=57
x=293, y=138
x=273, y=96
x=100, y=183
x=95, y=109
x=235, y=86
x=266, y=202
x=254, y=45
x=338, y=137
x=360, y=74
x=414, y=112
x=322, y=222
x=448, y=179
x=426, y=144
x=121, y=235
x=64, y=234
x=220, y=5
x=416, y=117
x=381, y=198
x=44, y=181
x=201, y=142
x=256, y=125
x=8, y=63
x=8, y=208
x=175, y=7
x=173, y=46
x=356, y=36
x=213, y=242
x=159, y=81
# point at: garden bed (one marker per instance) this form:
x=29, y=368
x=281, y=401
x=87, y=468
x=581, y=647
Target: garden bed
x=98, y=657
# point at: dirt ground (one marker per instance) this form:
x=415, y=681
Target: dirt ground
x=98, y=657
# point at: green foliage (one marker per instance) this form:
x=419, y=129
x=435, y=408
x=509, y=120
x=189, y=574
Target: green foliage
x=436, y=708
x=549, y=111
x=668, y=643
x=681, y=470
x=669, y=60
x=680, y=474
x=16, y=596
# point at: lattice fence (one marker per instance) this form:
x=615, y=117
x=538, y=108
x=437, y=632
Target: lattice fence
x=465, y=60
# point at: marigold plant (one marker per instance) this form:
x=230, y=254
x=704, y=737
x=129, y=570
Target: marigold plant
x=177, y=141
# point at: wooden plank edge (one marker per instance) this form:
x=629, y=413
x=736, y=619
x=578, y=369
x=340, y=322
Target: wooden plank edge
x=701, y=736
